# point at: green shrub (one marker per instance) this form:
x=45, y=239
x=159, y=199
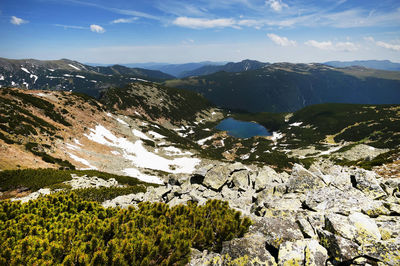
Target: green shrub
x=64, y=229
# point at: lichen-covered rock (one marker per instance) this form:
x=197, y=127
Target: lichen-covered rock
x=302, y=180
x=389, y=226
x=241, y=180
x=339, y=249
x=277, y=229
x=302, y=252
x=217, y=177
x=267, y=176
x=387, y=252
x=334, y=200
x=366, y=228
x=252, y=246
x=367, y=183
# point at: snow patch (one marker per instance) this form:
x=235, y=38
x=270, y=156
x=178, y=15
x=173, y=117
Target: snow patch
x=140, y=156
x=79, y=76
x=1, y=77
x=25, y=70
x=81, y=160
x=276, y=136
x=67, y=75
x=202, y=141
x=133, y=172
x=74, y=67
x=175, y=151
x=156, y=135
x=35, y=77
x=296, y=124
x=52, y=70
x=140, y=134
x=121, y=121
x=77, y=142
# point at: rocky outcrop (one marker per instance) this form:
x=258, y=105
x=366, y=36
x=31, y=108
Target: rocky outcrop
x=318, y=216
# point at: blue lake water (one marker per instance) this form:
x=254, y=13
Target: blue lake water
x=241, y=129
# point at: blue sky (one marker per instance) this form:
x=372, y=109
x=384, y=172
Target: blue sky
x=177, y=31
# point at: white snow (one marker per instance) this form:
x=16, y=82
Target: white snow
x=121, y=121
x=245, y=156
x=133, y=172
x=72, y=147
x=140, y=134
x=52, y=70
x=26, y=70
x=330, y=150
x=296, y=124
x=35, y=77
x=74, y=67
x=139, y=156
x=1, y=77
x=26, y=84
x=79, y=76
x=213, y=113
x=175, y=151
x=94, y=81
x=67, y=75
x=77, y=142
x=156, y=135
x=12, y=83
x=276, y=136
x=41, y=94
x=81, y=160
x=116, y=152
x=206, y=129
x=202, y=141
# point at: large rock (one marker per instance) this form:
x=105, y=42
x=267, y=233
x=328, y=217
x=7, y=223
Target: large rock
x=241, y=180
x=357, y=227
x=389, y=226
x=366, y=181
x=302, y=180
x=339, y=249
x=387, y=252
x=267, y=176
x=217, y=177
x=302, y=252
x=334, y=200
x=251, y=246
x=277, y=230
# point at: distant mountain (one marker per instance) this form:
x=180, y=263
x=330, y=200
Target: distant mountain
x=176, y=70
x=244, y=65
x=285, y=87
x=66, y=74
x=376, y=64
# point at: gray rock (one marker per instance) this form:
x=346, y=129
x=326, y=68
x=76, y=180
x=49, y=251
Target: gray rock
x=302, y=252
x=241, y=180
x=302, y=180
x=277, y=230
x=387, y=252
x=217, y=177
x=366, y=181
x=265, y=178
x=389, y=226
x=339, y=249
x=252, y=247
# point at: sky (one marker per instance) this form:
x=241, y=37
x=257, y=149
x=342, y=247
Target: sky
x=178, y=31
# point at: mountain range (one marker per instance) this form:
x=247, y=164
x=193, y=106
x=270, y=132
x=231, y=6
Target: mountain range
x=376, y=64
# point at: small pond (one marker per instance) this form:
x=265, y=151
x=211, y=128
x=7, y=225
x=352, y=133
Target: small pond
x=241, y=129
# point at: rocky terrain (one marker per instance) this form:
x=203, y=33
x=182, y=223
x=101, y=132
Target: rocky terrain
x=326, y=215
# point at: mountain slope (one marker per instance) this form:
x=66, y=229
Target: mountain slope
x=284, y=87
x=376, y=64
x=65, y=74
x=244, y=65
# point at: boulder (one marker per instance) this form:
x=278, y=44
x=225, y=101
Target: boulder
x=366, y=181
x=389, y=226
x=267, y=176
x=302, y=180
x=334, y=200
x=251, y=246
x=387, y=252
x=302, y=252
x=241, y=180
x=339, y=249
x=217, y=177
x=277, y=229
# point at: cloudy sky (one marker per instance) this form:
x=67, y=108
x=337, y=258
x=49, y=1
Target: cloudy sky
x=177, y=31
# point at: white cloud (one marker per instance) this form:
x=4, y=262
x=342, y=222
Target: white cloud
x=369, y=39
x=18, y=21
x=97, y=28
x=394, y=47
x=124, y=20
x=328, y=45
x=201, y=23
x=276, y=5
x=282, y=41
x=346, y=46
x=70, y=27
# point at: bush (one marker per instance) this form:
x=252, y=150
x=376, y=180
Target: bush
x=63, y=228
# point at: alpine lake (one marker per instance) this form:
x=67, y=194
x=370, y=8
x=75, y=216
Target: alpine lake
x=242, y=129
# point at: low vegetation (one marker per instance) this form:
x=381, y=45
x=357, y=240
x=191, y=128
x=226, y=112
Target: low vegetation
x=65, y=229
